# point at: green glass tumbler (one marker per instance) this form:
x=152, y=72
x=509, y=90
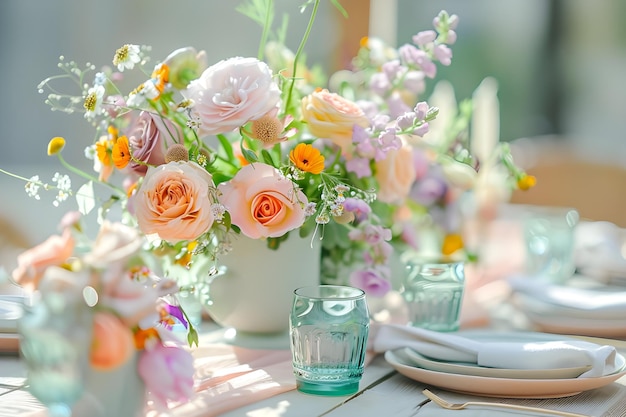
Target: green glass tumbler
x=328, y=328
x=433, y=293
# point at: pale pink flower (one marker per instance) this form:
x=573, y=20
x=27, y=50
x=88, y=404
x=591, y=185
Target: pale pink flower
x=262, y=202
x=231, y=93
x=32, y=263
x=167, y=372
x=115, y=244
x=173, y=201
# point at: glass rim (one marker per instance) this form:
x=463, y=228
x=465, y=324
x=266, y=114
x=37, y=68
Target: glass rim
x=313, y=292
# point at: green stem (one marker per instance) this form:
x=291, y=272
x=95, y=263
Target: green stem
x=268, y=17
x=83, y=174
x=19, y=177
x=299, y=52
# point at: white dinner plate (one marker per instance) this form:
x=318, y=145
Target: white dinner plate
x=476, y=370
x=504, y=387
x=554, y=319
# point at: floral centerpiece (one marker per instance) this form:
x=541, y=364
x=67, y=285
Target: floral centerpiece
x=263, y=147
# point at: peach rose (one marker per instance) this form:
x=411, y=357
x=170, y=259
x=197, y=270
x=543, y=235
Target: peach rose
x=112, y=342
x=231, y=93
x=395, y=175
x=32, y=263
x=262, y=202
x=173, y=201
x=331, y=116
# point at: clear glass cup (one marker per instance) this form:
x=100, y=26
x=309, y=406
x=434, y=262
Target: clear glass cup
x=549, y=238
x=328, y=328
x=433, y=293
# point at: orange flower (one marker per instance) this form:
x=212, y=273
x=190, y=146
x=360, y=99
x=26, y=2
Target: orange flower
x=142, y=335
x=451, y=243
x=526, y=182
x=104, y=147
x=161, y=75
x=112, y=343
x=121, y=152
x=307, y=158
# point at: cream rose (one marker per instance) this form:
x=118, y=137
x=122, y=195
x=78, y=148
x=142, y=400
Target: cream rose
x=395, y=175
x=231, y=93
x=262, y=202
x=173, y=201
x=329, y=115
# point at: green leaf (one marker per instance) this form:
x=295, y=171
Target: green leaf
x=227, y=147
x=85, y=198
x=267, y=157
x=255, y=10
x=339, y=7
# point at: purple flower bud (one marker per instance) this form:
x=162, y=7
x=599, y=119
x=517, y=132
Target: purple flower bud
x=380, y=121
x=410, y=54
x=422, y=130
x=424, y=37
x=451, y=39
x=358, y=207
x=453, y=21
x=406, y=120
x=379, y=84
x=421, y=110
x=392, y=69
x=443, y=54
x=388, y=139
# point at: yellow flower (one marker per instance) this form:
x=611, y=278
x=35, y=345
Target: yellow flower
x=56, y=145
x=121, y=152
x=451, y=243
x=307, y=158
x=526, y=182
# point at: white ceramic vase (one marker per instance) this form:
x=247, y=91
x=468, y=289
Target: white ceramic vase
x=255, y=292
x=113, y=393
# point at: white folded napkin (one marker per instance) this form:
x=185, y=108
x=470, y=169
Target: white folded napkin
x=598, y=251
x=603, y=303
x=508, y=355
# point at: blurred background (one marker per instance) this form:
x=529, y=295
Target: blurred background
x=560, y=65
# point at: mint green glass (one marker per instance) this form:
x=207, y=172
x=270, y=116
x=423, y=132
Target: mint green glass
x=549, y=236
x=328, y=328
x=433, y=293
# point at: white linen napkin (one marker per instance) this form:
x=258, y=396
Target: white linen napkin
x=508, y=355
